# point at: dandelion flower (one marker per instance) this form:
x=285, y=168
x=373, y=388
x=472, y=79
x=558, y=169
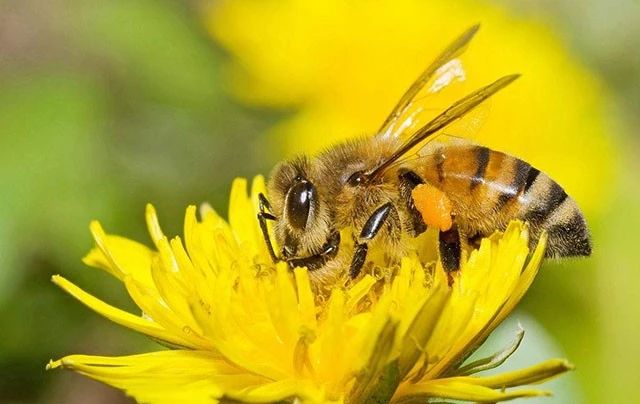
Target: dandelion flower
x=241, y=328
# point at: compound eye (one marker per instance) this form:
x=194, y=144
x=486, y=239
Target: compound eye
x=298, y=204
x=356, y=179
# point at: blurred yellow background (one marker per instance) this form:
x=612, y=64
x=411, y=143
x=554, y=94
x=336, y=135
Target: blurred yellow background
x=105, y=106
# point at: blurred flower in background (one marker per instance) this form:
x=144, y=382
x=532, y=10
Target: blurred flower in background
x=342, y=66
x=105, y=106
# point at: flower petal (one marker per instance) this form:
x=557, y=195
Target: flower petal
x=306, y=303
x=456, y=390
x=153, y=306
x=166, y=376
x=422, y=328
x=461, y=387
x=153, y=224
x=499, y=261
x=380, y=376
x=304, y=390
x=120, y=256
x=533, y=374
x=525, y=281
x=241, y=216
x=493, y=361
x=121, y=317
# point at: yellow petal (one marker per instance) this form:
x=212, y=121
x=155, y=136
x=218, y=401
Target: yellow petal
x=306, y=303
x=359, y=291
x=154, y=306
x=531, y=375
x=239, y=207
x=120, y=256
x=281, y=390
x=173, y=286
x=139, y=324
x=165, y=377
x=373, y=372
x=499, y=261
x=525, y=281
x=421, y=330
x=454, y=390
x=153, y=224
x=193, y=243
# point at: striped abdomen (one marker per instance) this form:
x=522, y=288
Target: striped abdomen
x=490, y=188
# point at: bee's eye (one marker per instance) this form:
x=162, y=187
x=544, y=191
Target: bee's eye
x=298, y=204
x=356, y=179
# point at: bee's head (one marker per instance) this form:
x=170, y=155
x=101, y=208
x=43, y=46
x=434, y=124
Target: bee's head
x=303, y=217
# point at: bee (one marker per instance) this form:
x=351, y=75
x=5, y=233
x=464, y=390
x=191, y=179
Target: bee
x=382, y=192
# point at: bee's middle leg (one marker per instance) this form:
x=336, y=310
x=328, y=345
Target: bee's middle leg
x=369, y=231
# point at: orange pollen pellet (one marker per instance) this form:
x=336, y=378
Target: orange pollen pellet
x=433, y=205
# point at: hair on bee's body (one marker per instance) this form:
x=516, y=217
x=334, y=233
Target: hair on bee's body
x=368, y=187
x=330, y=172
x=489, y=188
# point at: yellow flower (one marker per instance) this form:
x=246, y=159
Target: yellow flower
x=341, y=66
x=244, y=329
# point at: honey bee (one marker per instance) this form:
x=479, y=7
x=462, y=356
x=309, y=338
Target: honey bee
x=382, y=192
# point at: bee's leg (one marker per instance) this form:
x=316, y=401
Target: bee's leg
x=263, y=216
x=408, y=181
x=450, y=250
x=329, y=251
x=474, y=241
x=369, y=231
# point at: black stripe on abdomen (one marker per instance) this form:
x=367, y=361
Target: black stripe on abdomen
x=532, y=175
x=554, y=197
x=521, y=170
x=482, y=155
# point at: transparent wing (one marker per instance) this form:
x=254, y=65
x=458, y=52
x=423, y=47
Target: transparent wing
x=444, y=119
x=432, y=92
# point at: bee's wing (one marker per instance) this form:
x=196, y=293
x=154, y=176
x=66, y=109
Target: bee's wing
x=419, y=101
x=457, y=110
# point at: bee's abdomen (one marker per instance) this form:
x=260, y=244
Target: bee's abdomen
x=546, y=206
x=490, y=188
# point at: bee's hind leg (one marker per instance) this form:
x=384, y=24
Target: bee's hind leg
x=450, y=250
x=369, y=231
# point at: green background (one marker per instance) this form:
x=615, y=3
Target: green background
x=105, y=106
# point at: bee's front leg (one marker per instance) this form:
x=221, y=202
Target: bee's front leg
x=263, y=216
x=369, y=231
